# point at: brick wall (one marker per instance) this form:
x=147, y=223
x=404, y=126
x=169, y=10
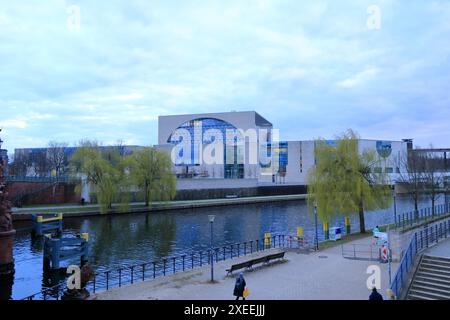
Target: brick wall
x=30, y=193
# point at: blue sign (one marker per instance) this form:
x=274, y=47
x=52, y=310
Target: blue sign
x=384, y=148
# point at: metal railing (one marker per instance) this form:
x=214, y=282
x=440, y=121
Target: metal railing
x=412, y=218
x=420, y=241
x=126, y=275
x=361, y=252
x=42, y=179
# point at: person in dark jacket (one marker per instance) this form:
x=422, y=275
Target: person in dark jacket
x=240, y=287
x=375, y=296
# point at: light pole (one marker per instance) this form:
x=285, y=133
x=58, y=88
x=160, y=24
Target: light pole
x=395, y=209
x=211, y=222
x=316, y=238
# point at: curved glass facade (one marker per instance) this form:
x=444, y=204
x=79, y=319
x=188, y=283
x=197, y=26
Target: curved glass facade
x=194, y=131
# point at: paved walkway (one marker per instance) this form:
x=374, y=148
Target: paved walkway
x=323, y=275
x=442, y=249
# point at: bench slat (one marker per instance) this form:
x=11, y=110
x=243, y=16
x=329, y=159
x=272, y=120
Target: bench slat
x=250, y=263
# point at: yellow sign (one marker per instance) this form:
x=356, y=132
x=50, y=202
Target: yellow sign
x=347, y=221
x=300, y=232
x=326, y=226
x=85, y=236
x=267, y=239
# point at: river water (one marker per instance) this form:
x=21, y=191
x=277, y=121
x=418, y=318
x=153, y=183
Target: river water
x=137, y=238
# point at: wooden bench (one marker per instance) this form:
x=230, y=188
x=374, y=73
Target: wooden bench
x=250, y=263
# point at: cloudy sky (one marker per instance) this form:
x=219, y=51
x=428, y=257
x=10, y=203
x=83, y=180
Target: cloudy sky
x=313, y=68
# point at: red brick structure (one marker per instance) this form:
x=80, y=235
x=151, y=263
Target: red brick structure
x=30, y=193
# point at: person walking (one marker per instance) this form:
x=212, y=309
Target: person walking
x=375, y=296
x=239, y=287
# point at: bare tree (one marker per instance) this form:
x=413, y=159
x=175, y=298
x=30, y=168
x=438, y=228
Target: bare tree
x=433, y=177
x=412, y=177
x=57, y=157
x=40, y=164
x=20, y=164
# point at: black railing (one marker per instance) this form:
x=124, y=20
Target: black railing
x=42, y=179
x=126, y=275
x=412, y=218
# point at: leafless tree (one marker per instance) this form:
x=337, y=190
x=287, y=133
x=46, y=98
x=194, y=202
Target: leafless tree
x=20, y=164
x=433, y=177
x=57, y=157
x=40, y=164
x=412, y=177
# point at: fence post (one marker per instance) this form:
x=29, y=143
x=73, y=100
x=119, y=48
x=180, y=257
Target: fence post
x=415, y=240
x=251, y=247
x=184, y=258
x=354, y=251
x=154, y=270
x=421, y=239
x=143, y=272
x=238, y=250
x=132, y=274
x=174, y=266
x=436, y=233
x=164, y=266
x=107, y=280
x=245, y=248
x=120, y=278
x=201, y=258
x=426, y=236
x=224, y=254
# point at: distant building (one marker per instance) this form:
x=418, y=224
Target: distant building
x=189, y=138
x=32, y=158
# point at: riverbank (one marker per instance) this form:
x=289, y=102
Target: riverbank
x=319, y=275
x=24, y=214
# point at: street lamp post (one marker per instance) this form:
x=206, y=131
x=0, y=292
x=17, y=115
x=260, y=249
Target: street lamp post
x=316, y=238
x=211, y=222
x=395, y=209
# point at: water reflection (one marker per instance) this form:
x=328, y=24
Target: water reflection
x=128, y=239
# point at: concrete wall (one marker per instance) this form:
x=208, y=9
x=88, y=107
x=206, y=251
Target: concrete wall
x=197, y=184
x=218, y=193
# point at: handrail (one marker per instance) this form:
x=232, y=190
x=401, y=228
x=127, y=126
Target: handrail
x=420, y=240
x=129, y=274
x=427, y=214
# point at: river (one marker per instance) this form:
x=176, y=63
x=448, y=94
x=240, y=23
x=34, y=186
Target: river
x=137, y=238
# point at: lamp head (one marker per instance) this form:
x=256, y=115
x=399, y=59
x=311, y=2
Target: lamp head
x=211, y=218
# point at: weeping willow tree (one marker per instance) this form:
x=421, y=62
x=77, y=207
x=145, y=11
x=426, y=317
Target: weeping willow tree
x=151, y=172
x=345, y=181
x=103, y=170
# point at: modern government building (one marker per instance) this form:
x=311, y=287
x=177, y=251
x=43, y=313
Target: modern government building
x=247, y=152
x=239, y=154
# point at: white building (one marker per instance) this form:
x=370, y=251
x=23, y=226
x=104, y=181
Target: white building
x=242, y=159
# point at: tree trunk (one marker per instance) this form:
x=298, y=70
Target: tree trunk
x=362, y=222
x=433, y=201
x=416, y=208
x=147, y=202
